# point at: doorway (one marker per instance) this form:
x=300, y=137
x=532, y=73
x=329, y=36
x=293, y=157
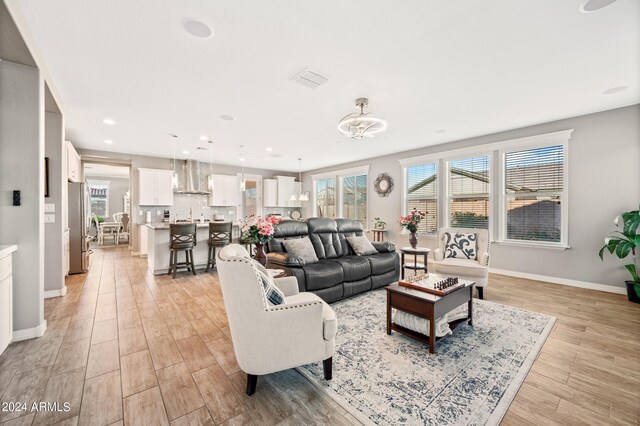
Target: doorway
x=251, y=197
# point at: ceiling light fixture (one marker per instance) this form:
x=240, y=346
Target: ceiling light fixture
x=197, y=28
x=302, y=196
x=227, y=117
x=269, y=149
x=589, y=6
x=108, y=141
x=174, y=177
x=204, y=138
x=108, y=121
x=210, y=180
x=612, y=90
x=358, y=126
x=185, y=152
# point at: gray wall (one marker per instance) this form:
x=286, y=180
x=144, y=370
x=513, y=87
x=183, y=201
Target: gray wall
x=140, y=161
x=604, y=180
x=54, y=232
x=21, y=168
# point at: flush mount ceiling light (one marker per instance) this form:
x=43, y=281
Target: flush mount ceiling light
x=227, y=117
x=185, y=152
x=108, y=121
x=589, y=6
x=612, y=90
x=204, y=138
x=269, y=149
x=302, y=196
x=197, y=28
x=108, y=141
x=361, y=125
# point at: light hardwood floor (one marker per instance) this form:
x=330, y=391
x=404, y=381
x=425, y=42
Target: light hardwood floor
x=127, y=346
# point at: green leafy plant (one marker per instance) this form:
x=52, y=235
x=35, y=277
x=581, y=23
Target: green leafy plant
x=378, y=223
x=624, y=242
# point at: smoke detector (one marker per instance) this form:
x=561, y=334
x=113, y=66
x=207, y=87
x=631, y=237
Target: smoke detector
x=309, y=79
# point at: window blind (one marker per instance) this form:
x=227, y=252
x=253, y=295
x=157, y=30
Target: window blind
x=422, y=194
x=469, y=189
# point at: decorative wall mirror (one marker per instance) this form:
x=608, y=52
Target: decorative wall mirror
x=383, y=184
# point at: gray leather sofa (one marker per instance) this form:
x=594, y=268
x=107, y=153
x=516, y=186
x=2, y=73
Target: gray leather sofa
x=339, y=272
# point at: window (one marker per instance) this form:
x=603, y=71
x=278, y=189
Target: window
x=354, y=198
x=99, y=193
x=533, y=194
x=326, y=197
x=422, y=194
x=469, y=190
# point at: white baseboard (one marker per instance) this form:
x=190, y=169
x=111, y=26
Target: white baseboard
x=55, y=293
x=562, y=281
x=30, y=333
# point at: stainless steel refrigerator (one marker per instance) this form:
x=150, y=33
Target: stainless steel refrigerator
x=79, y=227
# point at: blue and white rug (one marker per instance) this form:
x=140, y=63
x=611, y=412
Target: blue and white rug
x=393, y=380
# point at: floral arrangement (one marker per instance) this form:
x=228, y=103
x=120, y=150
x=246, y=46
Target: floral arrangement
x=411, y=221
x=258, y=230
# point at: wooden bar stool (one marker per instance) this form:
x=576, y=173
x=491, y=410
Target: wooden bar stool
x=183, y=238
x=220, y=234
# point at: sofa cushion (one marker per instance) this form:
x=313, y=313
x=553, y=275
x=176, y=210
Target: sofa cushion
x=361, y=245
x=323, y=233
x=285, y=230
x=348, y=228
x=382, y=262
x=460, y=245
x=323, y=274
x=301, y=248
x=354, y=267
x=463, y=267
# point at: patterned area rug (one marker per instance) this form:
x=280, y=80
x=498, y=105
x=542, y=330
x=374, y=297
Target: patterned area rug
x=393, y=380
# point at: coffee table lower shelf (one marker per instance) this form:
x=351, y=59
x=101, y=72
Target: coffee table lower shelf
x=423, y=337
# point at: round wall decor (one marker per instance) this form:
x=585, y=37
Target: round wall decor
x=383, y=184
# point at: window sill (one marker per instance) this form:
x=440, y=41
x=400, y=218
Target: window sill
x=532, y=245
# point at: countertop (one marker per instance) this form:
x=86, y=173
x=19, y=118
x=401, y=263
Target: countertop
x=157, y=226
x=6, y=250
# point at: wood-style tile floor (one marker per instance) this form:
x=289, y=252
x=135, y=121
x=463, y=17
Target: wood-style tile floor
x=124, y=346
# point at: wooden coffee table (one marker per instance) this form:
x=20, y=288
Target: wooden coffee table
x=428, y=306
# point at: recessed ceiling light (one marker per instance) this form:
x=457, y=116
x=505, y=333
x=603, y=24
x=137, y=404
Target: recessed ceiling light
x=197, y=28
x=612, y=90
x=589, y=6
x=185, y=152
x=204, y=138
x=440, y=131
x=108, y=141
x=269, y=149
x=242, y=159
x=227, y=117
x=108, y=121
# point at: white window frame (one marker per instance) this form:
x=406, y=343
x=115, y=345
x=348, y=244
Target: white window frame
x=497, y=197
x=338, y=175
x=564, y=194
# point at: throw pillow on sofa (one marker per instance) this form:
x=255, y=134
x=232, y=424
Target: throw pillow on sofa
x=273, y=295
x=361, y=245
x=460, y=246
x=302, y=248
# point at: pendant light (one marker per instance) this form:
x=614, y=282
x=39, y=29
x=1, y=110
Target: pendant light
x=243, y=183
x=174, y=177
x=302, y=196
x=210, y=180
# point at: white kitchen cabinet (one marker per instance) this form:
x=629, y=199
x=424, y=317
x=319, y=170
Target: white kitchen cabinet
x=285, y=190
x=6, y=297
x=269, y=192
x=144, y=240
x=155, y=187
x=225, y=191
x=74, y=164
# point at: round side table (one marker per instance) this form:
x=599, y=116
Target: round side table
x=415, y=265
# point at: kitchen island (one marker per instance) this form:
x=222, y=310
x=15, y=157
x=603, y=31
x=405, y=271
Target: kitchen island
x=159, y=241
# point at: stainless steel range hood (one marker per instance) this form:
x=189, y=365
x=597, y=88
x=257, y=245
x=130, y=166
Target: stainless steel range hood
x=191, y=181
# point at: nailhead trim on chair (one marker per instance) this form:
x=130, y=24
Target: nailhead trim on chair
x=293, y=307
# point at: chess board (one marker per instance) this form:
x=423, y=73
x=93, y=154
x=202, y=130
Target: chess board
x=440, y=287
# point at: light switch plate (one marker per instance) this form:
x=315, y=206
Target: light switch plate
x=49, y=208
x=49, y=218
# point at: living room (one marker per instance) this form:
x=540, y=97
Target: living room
x=445, y=197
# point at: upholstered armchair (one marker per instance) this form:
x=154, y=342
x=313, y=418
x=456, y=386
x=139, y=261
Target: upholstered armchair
x=472, y=269
x=269, y=338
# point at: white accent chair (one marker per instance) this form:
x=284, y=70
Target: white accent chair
x=474, y=270
x=267, y=339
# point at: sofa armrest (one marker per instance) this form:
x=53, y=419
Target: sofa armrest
x=438, y=255
x=483, y=259
x=284, y=259
x=288, y=285
x=384, y=246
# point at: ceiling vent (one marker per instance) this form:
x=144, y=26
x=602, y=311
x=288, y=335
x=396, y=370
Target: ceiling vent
x=309, y=79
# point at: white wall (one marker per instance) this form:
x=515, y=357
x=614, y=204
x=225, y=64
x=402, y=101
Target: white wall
x=604, y=180
x=21, y=168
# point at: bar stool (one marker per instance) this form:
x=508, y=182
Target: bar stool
x=220, y=234
x=183, y=238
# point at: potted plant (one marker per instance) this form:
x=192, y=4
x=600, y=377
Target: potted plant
x=410, y=222
x=378, y=223
x=258, y=230
x=624, y=242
